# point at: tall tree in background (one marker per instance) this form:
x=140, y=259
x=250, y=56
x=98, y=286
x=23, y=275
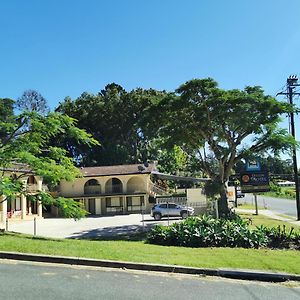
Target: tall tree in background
x=121, y=120
x=32, y=100
x=223, y=126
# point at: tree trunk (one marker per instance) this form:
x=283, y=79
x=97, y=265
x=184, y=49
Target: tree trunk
x=223, y=204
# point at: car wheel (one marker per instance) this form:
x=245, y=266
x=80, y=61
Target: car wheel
x=157, y=217
x=184, y=215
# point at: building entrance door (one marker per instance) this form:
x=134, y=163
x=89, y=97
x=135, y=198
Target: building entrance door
x=92, y=206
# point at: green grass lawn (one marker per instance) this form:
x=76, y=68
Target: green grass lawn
x=138, y=251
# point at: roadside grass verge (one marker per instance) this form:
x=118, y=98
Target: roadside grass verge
x=282, y=195
x=249, y=206
x=138, y=251
x=256, y=220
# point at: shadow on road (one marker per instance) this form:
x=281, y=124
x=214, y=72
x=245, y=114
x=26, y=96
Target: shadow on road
x=125, y=232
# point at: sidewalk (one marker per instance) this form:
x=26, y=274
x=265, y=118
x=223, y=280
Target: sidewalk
x=270, y=214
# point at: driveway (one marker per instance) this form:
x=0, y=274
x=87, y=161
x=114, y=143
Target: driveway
x=90, y=227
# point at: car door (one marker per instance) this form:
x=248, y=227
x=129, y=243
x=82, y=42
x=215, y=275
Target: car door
x=163, y=209
x=173, y=210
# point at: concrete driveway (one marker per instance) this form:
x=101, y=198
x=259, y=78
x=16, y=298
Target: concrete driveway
x=89, y=227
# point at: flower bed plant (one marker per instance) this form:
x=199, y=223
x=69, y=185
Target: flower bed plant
x=206, y=231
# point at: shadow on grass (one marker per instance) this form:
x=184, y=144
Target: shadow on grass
x=29, y=237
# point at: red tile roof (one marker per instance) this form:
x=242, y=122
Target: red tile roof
x=117, y=170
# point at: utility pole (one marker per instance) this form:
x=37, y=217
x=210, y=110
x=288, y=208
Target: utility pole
x=292, y=83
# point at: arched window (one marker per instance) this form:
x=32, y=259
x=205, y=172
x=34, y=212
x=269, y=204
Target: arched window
x=31, y=180
x=114, y=186
x=92, y=187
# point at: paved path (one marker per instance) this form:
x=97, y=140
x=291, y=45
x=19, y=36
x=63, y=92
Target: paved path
x=60, y=282
x=87, y=227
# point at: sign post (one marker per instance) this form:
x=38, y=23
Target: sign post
x=255, y=200
x=253, y=180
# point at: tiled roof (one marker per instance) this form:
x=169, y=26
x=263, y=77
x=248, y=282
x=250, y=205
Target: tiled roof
x=17, y=167
x=117, y=170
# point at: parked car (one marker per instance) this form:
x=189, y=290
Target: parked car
x=161, y=210
x=240, y=194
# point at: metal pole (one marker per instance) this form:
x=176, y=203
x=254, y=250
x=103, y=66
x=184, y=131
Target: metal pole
x=6, y=224
x=235, y=196
x=290, y=91
x=292, y=82
x=255, y=200
x=143, y=221
x=34, y=226
x=168, y=213
x=217, y=209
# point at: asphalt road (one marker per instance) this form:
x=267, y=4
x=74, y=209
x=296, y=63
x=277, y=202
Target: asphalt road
x=281, y=206
x=21, y=280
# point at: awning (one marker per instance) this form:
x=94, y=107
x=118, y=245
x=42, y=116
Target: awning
x=179, y=178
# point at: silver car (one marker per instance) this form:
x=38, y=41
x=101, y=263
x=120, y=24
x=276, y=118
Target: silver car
x=161, y=210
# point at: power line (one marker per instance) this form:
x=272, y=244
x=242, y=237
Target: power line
x=291, y=86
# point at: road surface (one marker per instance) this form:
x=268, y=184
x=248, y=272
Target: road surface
x=281, y=206
x=21, y=280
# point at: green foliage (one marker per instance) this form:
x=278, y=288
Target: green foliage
x=275, y=188
x=206, y=231
x=25, y=140
x=9, y=187
x=290, y=193
x=123, y=121
x=173, y=160
x=280, y=237
x=223, y=126
x=70, y=208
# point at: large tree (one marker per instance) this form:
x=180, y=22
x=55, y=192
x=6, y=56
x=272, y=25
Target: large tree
x=32, y=100
x=25, y=138
x=223, y=126
x=121, y=120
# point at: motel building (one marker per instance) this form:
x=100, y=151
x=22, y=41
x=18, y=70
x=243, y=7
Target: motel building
x=104, y=190
x=21, y=208
x=109, y=190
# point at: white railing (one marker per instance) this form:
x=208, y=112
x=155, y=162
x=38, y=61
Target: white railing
x=154, y=188
x=178, y=200
x=92, y=190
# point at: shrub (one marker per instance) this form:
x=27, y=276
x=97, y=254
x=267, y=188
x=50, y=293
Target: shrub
x=275, y=188
x=206, y=231
x=290, y=193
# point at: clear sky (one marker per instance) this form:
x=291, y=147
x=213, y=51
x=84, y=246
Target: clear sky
x=65, y=47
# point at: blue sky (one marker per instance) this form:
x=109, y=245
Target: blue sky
x=63, y=48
